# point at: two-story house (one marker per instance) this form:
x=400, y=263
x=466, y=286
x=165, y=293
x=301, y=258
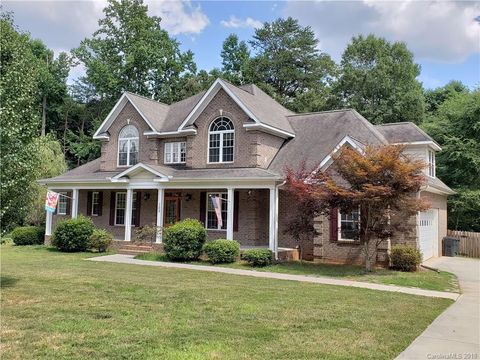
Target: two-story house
x=161, y=163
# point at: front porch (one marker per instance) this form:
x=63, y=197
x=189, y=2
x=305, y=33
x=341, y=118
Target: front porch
x=250, y=215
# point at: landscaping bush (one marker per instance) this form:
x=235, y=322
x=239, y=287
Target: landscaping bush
x=28, y=235
x=405, y=257
x=73, y=234
x=184, y=240
x=258, y=257
x=100, y=240
x=222, y=251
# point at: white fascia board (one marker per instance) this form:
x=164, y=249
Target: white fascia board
x=431, y=144
x=211, y=92
x=346, y=139
x=135, y=168
x=268, y=129
x=143, y=116
x=170, y=133
x=113, y=114
x=121, y=102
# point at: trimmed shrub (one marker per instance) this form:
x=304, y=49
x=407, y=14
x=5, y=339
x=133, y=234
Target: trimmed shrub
x=28, y=235
x=258, y=257
x=405, y=257
x=184, y=240
x=222, y=251
x=73, y=234
x=100, y=240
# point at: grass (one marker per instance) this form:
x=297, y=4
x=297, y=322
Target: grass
x=58, y=306
x=424, y=279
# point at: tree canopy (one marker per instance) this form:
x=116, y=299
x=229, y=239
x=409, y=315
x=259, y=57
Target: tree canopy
x=378, y=79
x=131, y=52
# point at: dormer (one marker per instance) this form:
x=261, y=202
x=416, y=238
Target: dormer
x=417, y=143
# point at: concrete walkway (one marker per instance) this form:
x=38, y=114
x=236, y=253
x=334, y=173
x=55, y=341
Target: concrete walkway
x=128, y=259
x=455, y=334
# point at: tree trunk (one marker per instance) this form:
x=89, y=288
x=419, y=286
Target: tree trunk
x=366, y=250
x=44, y=114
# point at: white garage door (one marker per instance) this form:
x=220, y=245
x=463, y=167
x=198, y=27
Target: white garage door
x=428, y=237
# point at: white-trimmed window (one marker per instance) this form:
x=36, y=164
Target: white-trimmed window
x=211, y=220
x=121, y=208
x=431, y=163
x=128, y=143
x=348, y=225
x=95, y=203
x=62, y=204
x=221, y=141
x=175, y=152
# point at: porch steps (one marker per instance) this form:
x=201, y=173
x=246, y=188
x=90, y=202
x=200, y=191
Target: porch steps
x=128, y=249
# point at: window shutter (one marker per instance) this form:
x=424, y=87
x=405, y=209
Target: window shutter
x=100, y=202
x=112, y=208
x=69, y=202
x=334, y=224
x=203, y=204
x=235, y=210
x=137, y=210
x=89, y=203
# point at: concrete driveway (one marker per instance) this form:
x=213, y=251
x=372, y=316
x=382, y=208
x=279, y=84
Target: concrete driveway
x=455, y=334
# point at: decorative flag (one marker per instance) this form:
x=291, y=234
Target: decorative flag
x=51, y=201
x=218, y=209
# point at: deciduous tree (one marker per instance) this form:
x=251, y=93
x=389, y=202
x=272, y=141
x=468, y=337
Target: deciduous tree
x=235, y=60
x=378, y=79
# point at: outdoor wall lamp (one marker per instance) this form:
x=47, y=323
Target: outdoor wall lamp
x=188, y=197
x=146, y=196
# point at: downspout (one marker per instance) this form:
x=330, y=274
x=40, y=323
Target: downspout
x=276, y=217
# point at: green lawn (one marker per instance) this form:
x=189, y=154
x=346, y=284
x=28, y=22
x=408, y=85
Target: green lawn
x=58, y=306
x=425, y=279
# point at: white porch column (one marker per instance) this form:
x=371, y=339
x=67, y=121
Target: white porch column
x=160, y=207
x=230, y=207
x=272, y=212
x=276, y=223
x=48, y=223
x=74, y=203
x=128, y=215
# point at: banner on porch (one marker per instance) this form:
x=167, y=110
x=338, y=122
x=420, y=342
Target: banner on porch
x=51, y=201
x=218, y=209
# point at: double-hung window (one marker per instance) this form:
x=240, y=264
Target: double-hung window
x=175, y=152
x=431, y=163
x=348, y=225
x=221, y=141
x=121, y=208
x=128, y=144
x=95, y=203
x=62, y=204
x=211, y=220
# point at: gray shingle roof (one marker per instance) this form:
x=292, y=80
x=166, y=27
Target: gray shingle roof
x=403, y=132
x=90, y=172
x=169, y=117
x=317, y=135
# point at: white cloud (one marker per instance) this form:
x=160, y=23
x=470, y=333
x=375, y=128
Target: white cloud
x=179, y=17
x=443, y=31
x=234, y=22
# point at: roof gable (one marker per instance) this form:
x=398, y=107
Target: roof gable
x=151, y=112
x=265, y=115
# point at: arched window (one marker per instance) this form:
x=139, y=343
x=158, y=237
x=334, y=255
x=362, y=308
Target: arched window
x=128, y=146
x=221, y=140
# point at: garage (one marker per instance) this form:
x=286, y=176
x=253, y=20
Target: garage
x=428, y=233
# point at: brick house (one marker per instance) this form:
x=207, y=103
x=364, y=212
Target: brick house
x=162, y=163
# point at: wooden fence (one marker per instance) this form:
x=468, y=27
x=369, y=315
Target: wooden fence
x=469, y=242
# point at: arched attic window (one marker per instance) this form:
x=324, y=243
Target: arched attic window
x=128, y=146
x=221, y=140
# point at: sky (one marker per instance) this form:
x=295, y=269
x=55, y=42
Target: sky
x=444, y=36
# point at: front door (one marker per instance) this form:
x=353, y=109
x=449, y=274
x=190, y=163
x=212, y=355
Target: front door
x=172, y=210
